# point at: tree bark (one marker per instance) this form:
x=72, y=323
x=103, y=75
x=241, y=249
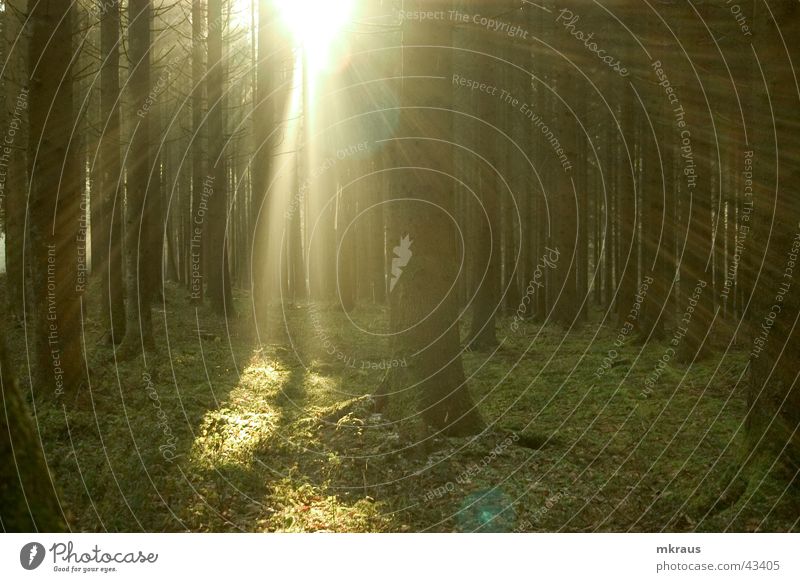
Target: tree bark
x=423, y=301
x=140, y=286
x=216, y=220
x=627, y=198
x=196, y=255
x=54, y=203
x=111, y=189
x=772, y=446
x=13, y=171
x=30, y=502
x=264, y=120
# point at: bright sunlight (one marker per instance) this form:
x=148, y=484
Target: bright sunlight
x=316, y=25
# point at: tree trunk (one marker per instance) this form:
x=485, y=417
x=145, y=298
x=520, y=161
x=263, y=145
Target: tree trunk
x=30, y=502
x=216, y=221
x=773, y=397
x=196, y=255
x=111, y=190
x=346, y=240
x=659, y=263
x=423, y=301
x=485, y=253
x=485, y=247
x=694, y=150
x=140, y=285
x=564, y=215
x=13, y=174
x=54, y=204
x=628, y=216
x=263, y=125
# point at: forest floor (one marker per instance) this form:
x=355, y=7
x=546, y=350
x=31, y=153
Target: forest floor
x=212, y=434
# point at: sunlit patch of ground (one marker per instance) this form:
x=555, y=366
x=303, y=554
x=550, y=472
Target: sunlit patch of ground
x=230, y=435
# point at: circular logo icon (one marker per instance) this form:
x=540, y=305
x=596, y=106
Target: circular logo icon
x=31, y=555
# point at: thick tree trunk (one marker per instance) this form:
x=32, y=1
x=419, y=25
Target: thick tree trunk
x=54, y=203
x=424, y=302
x=694, y=149
x=658, y=260
x=29, y=500
x=658, y=200
x=13, y=171
x=773, y=420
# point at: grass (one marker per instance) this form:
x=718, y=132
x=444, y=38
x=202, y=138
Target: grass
x=218, y=432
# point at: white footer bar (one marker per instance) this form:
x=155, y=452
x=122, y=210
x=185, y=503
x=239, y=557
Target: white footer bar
x=406, y=557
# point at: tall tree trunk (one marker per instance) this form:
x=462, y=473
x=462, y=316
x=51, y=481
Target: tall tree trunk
x=111, y=191
x=486, y=241
x=693, y=152
x=346, y=257
x=424, y=302
x=773, y=397
x=216, y=221
x=659, y=264
x=377, y=251
x=627, y=212
x=154, y=218
x=294, y=236
x=263, y=126
x=13, y=171
x=54, y=204
x=140, y=285
x=196, y=255
x=565, y=213
x=657, y=162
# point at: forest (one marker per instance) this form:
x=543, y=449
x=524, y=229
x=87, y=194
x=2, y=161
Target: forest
x=399, y=266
